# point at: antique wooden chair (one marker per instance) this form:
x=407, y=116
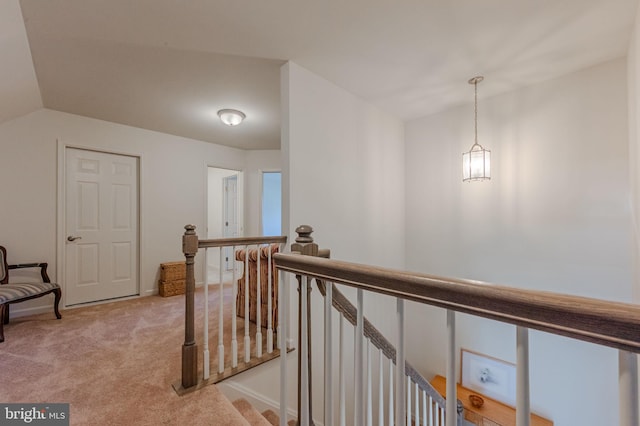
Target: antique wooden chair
x=19, y=292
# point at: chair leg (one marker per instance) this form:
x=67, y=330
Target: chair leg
x=58, y=295
x=5, y=315
x=2, y=308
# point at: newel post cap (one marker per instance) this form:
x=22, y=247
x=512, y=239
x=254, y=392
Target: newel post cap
x=304, y=242
x=304, y=234
x=190, y=241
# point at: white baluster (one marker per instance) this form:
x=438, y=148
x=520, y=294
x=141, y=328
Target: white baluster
x=425, y=414
x=259, y=306
x=280, y=326
x=523, y=412
x=358, y=362
x=234, y=314
x=303, y=416
x=282, y=319
x=628, y=385
x=451, y=404
x=408, y=401
x=391, y=386
x=369, y=396
x=247, y=338
x=221, y=316
x=328, y=356
x=441, y=415
x=269, y=303
x=206, y=368
x=400, y=360
x=380, y=388
x=417, y=416
x=431, y=417
x=343, y=417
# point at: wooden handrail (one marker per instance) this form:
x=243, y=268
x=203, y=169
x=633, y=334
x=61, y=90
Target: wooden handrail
x=240, y=241
x=612, y=324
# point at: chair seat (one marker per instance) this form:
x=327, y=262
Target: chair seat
x=16, y=291
x=20, y=292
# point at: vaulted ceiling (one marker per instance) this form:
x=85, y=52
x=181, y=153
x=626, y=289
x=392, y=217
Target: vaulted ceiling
x=169, y=65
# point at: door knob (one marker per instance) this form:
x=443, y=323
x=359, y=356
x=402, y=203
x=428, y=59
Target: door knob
x=72, y=238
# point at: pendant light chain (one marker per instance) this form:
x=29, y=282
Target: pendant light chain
x=475, y=85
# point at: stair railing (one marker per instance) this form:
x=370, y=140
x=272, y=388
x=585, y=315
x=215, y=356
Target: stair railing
x=428, y=405
x=606, y=323
x=241, y=248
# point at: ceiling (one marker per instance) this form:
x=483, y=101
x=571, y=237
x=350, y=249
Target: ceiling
x=169, y=65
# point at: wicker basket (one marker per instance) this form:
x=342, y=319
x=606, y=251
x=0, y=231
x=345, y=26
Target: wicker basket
x=171, y=271
x=171, y=288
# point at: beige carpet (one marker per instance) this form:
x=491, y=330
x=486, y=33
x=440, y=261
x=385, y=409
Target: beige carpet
x=114, y=363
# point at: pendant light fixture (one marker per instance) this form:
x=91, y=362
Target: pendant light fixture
x=476, y=164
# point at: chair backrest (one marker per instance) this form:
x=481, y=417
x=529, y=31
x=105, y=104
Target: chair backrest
x=4, y=269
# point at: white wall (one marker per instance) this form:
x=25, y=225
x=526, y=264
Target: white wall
x=345, y=166
x=555, y=216
x=173, y=178
x=633, y=96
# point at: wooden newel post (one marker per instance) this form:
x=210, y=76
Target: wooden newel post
x=189, y=348
x=304, y=245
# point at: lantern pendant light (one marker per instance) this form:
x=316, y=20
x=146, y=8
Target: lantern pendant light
x=476, y=164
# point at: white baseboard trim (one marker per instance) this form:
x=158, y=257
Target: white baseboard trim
x=35, y=310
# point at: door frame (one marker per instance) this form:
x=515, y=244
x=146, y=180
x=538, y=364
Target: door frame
x=60, y=219
x=225, y=216
x=242, y=183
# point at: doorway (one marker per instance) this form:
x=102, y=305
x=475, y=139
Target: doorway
x=271, y=206
x=224, y=217
x=230, y=223
x=101, y=220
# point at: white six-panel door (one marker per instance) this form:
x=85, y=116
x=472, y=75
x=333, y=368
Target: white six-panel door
x=101, y=224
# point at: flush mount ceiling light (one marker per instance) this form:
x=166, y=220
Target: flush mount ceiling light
x=476, y=164
x=231, y=117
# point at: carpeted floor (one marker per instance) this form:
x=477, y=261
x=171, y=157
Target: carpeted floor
x=114, y=363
